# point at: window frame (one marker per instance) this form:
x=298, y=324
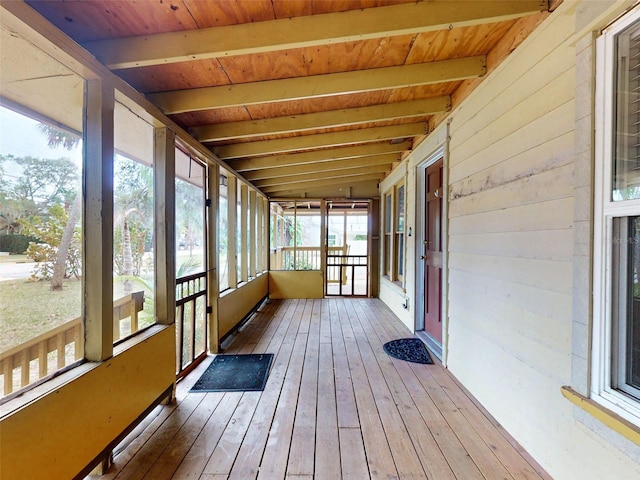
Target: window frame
x=399, y=210
x=603, y=381
x=394, y=267
x=387, y=248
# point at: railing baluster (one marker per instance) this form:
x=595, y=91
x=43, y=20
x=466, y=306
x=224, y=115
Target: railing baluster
x=60, y=347
x=7, y=372
x=43, y=360
x=24, y=368
x=77, y=345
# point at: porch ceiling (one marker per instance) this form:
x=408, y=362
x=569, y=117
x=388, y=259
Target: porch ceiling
x=303, y=98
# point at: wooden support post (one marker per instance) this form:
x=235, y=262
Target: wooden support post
x=165, y=242
x=244, y=238
x=252, y=213
x=213, y=285
x=232, y=202
x=98, y=220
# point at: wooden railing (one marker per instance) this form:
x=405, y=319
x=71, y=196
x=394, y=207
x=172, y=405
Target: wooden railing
x=191, y=321
x=338, y=266
x=62, y=345
x=306, y=258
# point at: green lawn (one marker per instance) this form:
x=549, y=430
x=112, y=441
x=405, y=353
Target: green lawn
x=28, y=309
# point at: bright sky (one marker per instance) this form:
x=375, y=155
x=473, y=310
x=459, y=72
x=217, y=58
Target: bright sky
x=21, y=137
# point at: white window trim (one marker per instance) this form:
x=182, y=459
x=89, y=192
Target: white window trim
x=605, y=211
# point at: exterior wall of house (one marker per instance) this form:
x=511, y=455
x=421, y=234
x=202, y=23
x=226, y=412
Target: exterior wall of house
x=515, y=172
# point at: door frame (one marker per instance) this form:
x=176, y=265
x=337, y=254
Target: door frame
x=440, y=351
x=326, y=211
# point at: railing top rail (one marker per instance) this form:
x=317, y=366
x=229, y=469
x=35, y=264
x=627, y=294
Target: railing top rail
x=193, y=276
x=135, y=296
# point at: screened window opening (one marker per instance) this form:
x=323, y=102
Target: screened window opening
x=133, y=224
x=296, y=228
x=41, y=221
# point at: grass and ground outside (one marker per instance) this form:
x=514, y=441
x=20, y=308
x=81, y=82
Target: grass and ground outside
x=29, y=308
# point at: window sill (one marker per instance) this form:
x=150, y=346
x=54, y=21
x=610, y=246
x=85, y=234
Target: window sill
x=610, y=419
x=397, y=284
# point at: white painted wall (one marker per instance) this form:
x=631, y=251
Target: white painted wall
x=511, y=248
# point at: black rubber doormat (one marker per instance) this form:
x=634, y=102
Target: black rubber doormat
x=409, y=349
x=235, y=373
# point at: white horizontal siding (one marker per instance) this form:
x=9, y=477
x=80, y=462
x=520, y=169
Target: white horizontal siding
x=548, y=215
x=541, y=244
x=512, y=203
x=511, y=237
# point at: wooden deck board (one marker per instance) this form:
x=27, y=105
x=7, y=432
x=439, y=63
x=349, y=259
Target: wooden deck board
x=335, y=407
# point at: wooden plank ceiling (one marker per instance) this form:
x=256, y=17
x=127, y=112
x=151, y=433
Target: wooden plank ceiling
x=302, y=97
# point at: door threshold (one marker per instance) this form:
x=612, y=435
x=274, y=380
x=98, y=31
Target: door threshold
x=433, y=346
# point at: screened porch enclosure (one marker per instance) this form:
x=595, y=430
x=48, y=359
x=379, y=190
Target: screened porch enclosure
x=328, y=236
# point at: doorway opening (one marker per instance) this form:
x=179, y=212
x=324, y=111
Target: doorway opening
x=347, y=248
x=430, y=253
x=191, y=262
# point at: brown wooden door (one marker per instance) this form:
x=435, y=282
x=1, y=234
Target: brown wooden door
x=433, y=252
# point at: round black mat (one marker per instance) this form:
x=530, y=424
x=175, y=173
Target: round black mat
x=409, y=349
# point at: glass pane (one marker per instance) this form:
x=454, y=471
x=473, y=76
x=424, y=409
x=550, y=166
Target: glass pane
x=626, y=305
x=400, y=209
x=400, y=254
x=388, y=209
x=626, y=165
x=133, y=223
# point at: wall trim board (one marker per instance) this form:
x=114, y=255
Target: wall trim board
x=610, y=419
x=235, y=304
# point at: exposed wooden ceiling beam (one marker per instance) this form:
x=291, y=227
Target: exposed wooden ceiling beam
x=305, y=31
x=302, y=186
x=299, y=88
x=315, y=156
x=329, y=119
x=322, y=167
x=310, y=177
x=305, y=142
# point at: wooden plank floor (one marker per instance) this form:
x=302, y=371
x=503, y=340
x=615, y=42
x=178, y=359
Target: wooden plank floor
x=335, y=406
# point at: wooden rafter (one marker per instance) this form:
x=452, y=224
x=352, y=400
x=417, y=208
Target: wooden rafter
x=322, y=167
x=321, y=140
x=329, y=119
x=310, y=177
x=306, y=31
x=324, y=182
x=328, y=154
x=298, y=88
